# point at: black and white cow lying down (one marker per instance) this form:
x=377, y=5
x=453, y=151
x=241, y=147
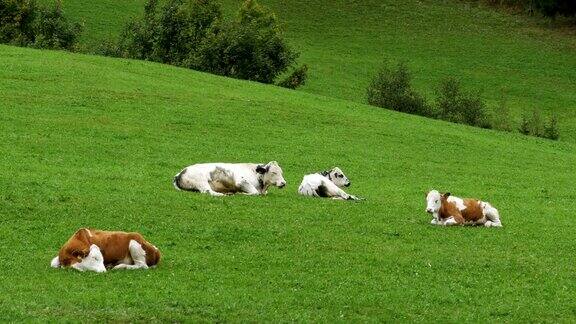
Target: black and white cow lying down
x=219, y=179
x=326, y=184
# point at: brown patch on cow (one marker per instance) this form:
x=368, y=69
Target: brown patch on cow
x=113, y=245
x=472, y=213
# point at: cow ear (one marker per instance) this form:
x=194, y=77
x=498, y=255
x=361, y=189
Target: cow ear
x=446, y=195
x=261, y=169
x=82, y=235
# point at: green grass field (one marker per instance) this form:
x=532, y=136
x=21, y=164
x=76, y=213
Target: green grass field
x=92, y=141
x=344, y=42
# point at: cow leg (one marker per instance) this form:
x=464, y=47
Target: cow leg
x=493, y=216
x=247, y=188
x=456, y=219
x=336, y=193
x=436, y=220
x=205, y=188
x=138, y=257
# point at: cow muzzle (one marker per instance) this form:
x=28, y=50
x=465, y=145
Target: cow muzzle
x=282, y=185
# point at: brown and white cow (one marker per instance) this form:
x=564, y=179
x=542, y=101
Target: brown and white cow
x=94, y=250
x=449, y=210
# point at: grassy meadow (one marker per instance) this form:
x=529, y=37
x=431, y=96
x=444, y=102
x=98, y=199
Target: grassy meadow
x=344, y=43
x=93, y=141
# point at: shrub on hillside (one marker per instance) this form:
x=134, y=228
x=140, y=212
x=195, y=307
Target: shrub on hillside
x=549, y=8
x=536, y=124
x=456, y=106
x=16, y=21
x=250, y=47
x=296, y=78
x=391, y=89
x=193, y=34
x=23, y=23
x=533, y=125
x=54, y=31
x=551, y=130
x=552, y=8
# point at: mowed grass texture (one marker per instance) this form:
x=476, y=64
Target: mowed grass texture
x=94, y=142
x=345, y=42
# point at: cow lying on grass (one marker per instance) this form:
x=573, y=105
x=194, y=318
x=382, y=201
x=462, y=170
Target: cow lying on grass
x=219, y=179
x=326, y=184
x=449, y=210
x=94, y=250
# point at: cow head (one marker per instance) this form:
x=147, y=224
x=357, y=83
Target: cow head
x=337, y=176
x=75, y=249
x=271, y=174
x=94, y=261
x=434, y=200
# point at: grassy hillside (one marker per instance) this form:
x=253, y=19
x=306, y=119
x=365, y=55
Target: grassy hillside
x=91, y=141
x=344, y=42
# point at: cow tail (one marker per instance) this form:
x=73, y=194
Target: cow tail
x=177, y=179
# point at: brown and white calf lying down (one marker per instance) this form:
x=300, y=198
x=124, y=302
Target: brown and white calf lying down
x=449, y=210
x=95, y=250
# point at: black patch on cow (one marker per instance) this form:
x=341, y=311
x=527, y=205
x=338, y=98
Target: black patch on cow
x=327, y=174
x=322, y=191
x=261, y=169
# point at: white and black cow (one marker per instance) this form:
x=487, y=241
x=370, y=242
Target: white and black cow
x=450, y=210
x=326, y=184
x=219, y=179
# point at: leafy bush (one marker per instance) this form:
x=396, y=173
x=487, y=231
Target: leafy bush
x=533, y=125
x=250, y=47
x=391, y=89
x=552, y=8
x=296, y=78
x=16, y=22
x=456, y=106
x=549, y=8
x=23, y=23
x=193, y=34
x=524, y=127
x=536, y=124
x=551, y=130
x=54, y=31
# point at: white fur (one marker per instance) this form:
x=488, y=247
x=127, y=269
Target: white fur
x=94, y=261
x=55, y=263
x=433, y=202
x=449, y=221
x=332, y=182
x=243, y=175
x=459, y=202
x=491, y=214
x=138, y=260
